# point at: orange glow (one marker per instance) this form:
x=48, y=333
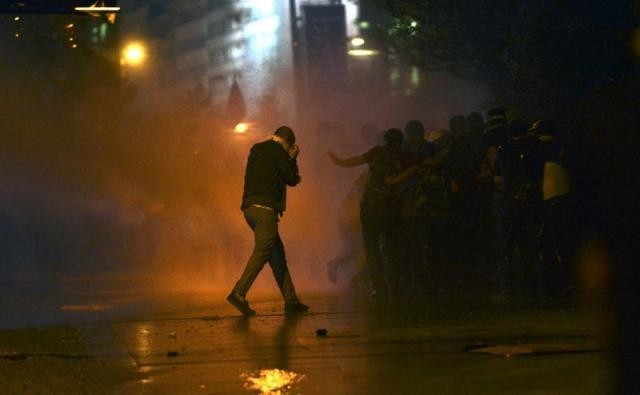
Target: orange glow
x=271, y=381
x=133, y=54
x=241, y=128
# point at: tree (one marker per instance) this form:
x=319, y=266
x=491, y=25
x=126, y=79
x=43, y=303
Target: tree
x=541, y=55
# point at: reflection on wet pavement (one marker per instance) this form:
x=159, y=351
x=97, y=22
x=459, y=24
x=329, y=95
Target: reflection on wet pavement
x=368, y=350
x=271, y=381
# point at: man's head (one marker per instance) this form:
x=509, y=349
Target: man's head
x=286, y=134
x=457, y=124
x=393, y=138
x=475, y=122
x=517, y=128
x=496, y=120
x=497, y=112
x=414, y=131
x=544, y=128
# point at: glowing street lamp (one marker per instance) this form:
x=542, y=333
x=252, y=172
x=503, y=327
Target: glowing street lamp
x=134, y=54
x=357, y=42
x=363, y=52
x=241, y=128
x=358, y=48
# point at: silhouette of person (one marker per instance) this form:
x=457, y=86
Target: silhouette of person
x=271, y=167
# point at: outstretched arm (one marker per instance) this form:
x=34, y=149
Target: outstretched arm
x=411, y=171
x=405, y=175
x=347, y=162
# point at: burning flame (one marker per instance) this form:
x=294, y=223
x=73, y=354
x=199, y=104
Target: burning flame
x=271, y=381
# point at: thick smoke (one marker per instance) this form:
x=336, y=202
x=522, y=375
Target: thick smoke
x=103, y=189
x=103, y=192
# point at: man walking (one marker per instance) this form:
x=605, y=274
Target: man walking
x=271, y=167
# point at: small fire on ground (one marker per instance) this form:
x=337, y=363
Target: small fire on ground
x=271, y=381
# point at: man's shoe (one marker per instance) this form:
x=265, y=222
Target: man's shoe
x=240, y=304
x=295, y=307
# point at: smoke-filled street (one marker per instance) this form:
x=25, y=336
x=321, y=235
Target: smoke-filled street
x=319, y=197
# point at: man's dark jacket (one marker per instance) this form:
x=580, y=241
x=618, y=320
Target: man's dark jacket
x=269, y=171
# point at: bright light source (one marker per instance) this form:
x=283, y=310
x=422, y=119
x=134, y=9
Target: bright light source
x=134, y=54
x=16, y=18
x=241, y=128
x=357, y=41
x=414, y=24
x=271, y=381
x=363, y=52
x=69, y=26
x=97, y=9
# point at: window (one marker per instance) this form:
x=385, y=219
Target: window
x=218, y=56
x=187, y=15
x=191, y=44
x=217, y=4
x=219, y=28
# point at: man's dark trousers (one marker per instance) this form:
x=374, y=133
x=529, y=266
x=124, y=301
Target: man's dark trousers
x=268, y=248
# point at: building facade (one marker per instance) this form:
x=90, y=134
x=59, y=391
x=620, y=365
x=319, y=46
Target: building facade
x=201, y=46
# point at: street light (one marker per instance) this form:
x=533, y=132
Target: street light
x=357, y=42
x=134, y=54
x=363, y=52
x=358, y=48
x=241, y=128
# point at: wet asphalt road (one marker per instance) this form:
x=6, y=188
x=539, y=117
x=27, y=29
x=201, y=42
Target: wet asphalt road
x=400, y=348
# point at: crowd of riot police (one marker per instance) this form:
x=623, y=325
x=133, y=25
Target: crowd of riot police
x=484, y=205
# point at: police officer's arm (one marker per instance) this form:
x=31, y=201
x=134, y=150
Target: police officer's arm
x=287, y=166
x=347, y=162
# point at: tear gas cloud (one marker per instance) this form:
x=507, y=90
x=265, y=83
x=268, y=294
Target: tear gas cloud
x=103, y=192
